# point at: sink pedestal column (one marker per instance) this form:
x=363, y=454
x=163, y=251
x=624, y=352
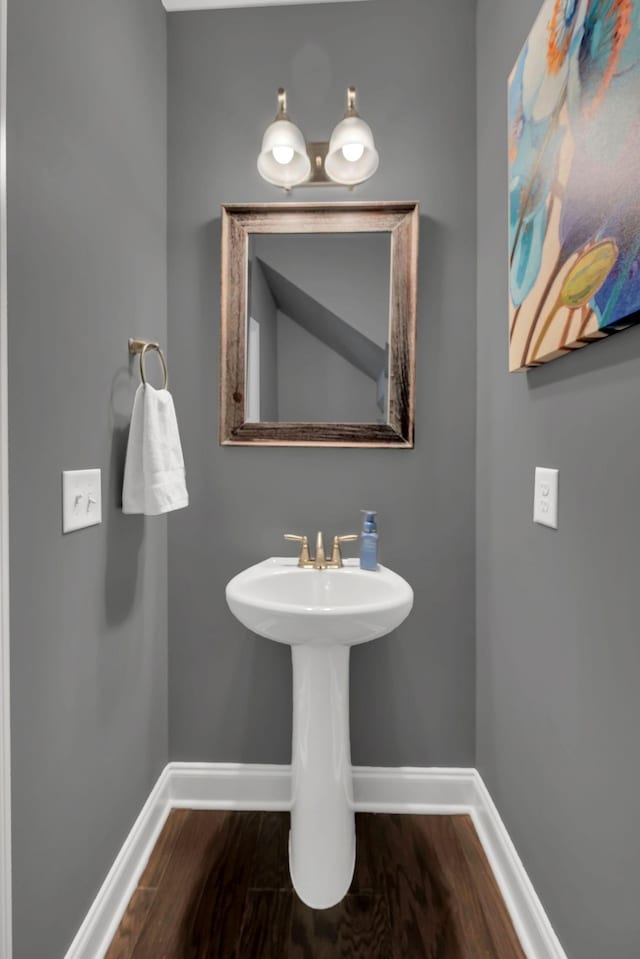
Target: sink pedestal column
x=322, y=842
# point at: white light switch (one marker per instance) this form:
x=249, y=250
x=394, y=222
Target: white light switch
x=81, y=499
x=545, y=501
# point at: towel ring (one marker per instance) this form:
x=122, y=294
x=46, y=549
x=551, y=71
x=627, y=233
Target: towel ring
x=154, y=346
x=141, y=347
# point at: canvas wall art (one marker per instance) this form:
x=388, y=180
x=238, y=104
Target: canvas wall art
x=574, y=179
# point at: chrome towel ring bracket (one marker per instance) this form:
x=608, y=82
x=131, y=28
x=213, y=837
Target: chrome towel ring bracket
x=141, y=347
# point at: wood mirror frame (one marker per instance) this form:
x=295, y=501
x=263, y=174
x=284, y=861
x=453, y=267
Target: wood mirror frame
x=239, y=221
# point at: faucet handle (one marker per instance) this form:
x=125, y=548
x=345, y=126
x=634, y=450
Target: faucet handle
x=303, y=558
x=336, y=552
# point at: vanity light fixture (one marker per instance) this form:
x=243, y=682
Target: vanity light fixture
x=349, y=158
x=352, y=156
x=283, y=159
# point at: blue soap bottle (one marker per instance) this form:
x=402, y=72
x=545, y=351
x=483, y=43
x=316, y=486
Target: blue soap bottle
x=369, y=541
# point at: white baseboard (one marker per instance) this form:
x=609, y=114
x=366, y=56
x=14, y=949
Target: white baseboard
x=240, y=786
x=531, y=922
x=411, y=790
x=102, y=920
x=229, y=786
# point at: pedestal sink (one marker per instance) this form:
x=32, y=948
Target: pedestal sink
x=320, y=614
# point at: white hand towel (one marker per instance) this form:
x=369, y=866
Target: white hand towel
x=154, y=477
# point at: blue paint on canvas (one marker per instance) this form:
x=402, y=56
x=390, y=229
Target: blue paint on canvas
x=574, y=178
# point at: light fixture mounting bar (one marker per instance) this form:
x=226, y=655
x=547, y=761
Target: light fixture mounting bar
x=317, y=154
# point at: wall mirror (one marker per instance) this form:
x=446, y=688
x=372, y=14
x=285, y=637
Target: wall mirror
x=318, y=322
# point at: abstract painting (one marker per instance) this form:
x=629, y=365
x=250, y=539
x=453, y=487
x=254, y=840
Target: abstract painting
x=574, y=179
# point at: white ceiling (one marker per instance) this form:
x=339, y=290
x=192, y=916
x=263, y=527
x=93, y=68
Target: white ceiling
x=178, y=5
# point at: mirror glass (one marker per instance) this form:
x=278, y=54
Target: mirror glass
x=318, y=322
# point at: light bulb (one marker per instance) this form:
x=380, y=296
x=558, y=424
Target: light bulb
x=353, y=151
x=283, y=155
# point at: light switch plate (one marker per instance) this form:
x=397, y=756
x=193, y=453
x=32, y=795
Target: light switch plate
x=81, y=499
x=545, y=497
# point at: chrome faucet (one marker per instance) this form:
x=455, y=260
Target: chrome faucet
x=320, y=561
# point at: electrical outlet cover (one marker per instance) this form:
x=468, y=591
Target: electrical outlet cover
x=545, y=497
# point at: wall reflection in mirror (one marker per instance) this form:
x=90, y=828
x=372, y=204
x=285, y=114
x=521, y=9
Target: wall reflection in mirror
x=318, y=328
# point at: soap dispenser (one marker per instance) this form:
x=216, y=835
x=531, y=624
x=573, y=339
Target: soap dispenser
x=369, y=541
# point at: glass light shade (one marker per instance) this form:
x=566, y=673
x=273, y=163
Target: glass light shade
x=350, y=132
x=282, y=136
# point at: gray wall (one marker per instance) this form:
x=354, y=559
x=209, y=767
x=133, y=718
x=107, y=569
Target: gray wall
x=412, y=694
x=558, y=652
x=87, y=269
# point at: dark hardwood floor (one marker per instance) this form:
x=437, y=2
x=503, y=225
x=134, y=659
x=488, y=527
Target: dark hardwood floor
x=217, y=886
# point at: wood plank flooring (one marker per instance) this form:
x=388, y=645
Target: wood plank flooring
x=217, y=886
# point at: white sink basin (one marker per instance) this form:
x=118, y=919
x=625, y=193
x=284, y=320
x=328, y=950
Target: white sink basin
x=326, y=607
x=320, y=614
